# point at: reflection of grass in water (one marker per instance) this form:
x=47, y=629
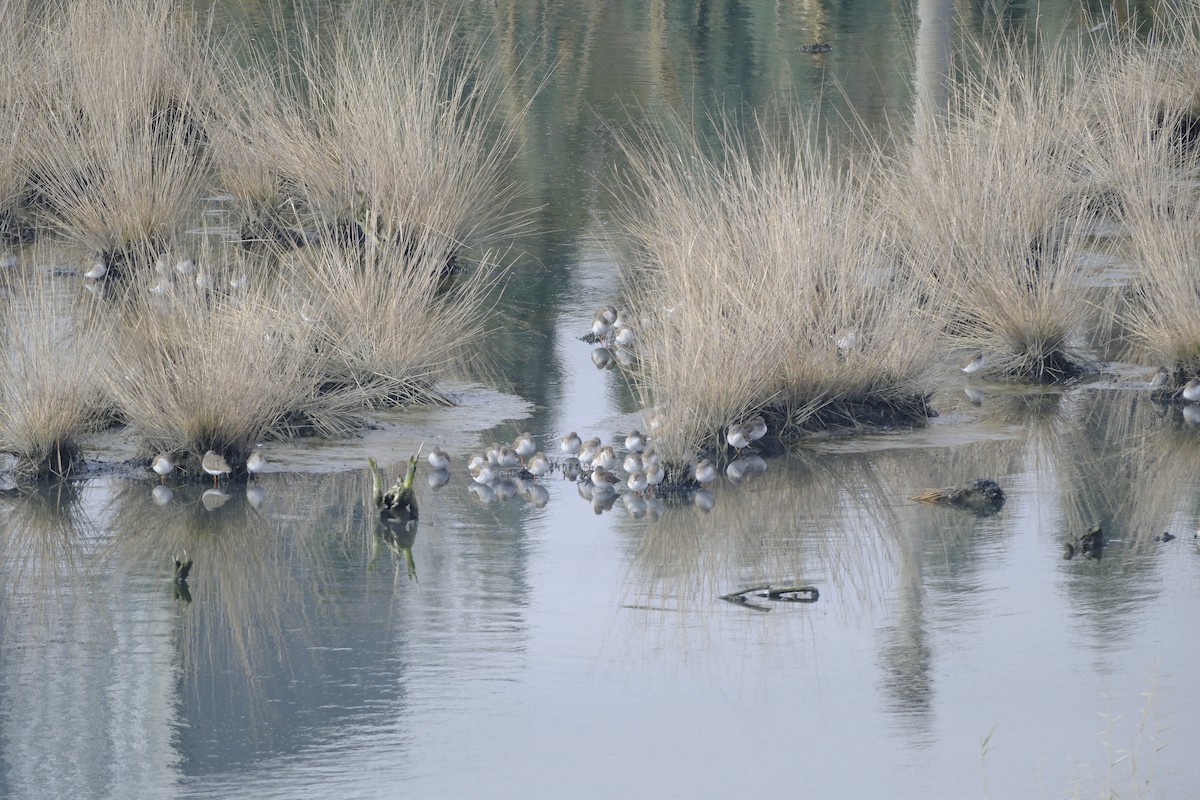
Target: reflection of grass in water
x=46, y=549
x=798, y=522
x=250, y=586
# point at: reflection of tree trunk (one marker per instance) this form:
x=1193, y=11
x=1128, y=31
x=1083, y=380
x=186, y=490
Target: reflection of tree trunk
x=936, y=23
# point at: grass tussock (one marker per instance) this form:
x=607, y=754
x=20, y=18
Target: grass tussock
x=194, y=370
x=15, y=105
x=989, y=211
x=386, y=321
x=50, y=391
x=389, y=132
x=1144, y=150
x=762, y=279
x=119, y=165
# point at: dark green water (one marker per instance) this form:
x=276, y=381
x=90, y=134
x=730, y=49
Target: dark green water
x=536, y=646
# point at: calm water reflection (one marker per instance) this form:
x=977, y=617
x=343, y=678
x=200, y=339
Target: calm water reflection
x=526, y=648
x=532, y=646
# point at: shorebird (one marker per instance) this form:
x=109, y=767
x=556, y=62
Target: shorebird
x=99, y=270
x=738, y=437
x=601, y=327
x=493, y=453
x=603, y=479
x=1191, y=390
x=756, y=428
x=974, y=365
x=507, y=457
x=635, y=442
x=649, y=456
x=624, y=336
x=605, y=457
x=588, y=451
x=1160, y=378
x=706, y=472
x=185, y=266
x=483, y=474
x=256, y=463
x=847, y=340
x=477, y=460
x=524, y=446
x=438, y=459
x=539, y=465
x=632, y=463
x=637, y=482
x=162, y=466
x=215, y=464
x=571, y=443
x=654, y=475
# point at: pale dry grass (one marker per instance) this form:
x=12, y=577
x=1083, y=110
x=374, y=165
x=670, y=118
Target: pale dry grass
x=116, y=159
x=387, y=322
x=194, y=370
x=1143, y=151
x=17, y=34
x=990, y=214
x=762, y=278
x=50, y=392
x=388, y=130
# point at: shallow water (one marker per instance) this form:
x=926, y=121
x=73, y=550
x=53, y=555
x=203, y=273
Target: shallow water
x=534, y=646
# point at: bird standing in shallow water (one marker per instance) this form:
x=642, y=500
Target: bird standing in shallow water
x=1160, y=378
x=635, y=442
x=256, y=463
x=539, y=465
x=484, y=473
x=738, y=437
x=438, y=459
x=654, y=475
x=756, y=428
x=706, y=472
x=571, y=443
x=524, y=446
x=508, y=457
x=603, y=479
x=162, y=466
x=974, y=365
x=1191, y=390
x=637, y=482
x=215, y=464
x=588, y=451
x=605, y=457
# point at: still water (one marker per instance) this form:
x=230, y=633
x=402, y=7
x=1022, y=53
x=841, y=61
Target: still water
x=539, y=645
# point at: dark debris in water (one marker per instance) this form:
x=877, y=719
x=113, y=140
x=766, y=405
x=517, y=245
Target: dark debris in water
x=779, y=594
x=981, y=496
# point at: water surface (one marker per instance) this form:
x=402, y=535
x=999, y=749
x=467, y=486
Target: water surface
x=535, y=646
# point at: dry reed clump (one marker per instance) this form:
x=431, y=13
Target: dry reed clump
x=385, y=322
x=391, y=134
x=16, y=33
x=762, y=281
x=989, y=212
x=193, y=370
x=50, y=392
x=116, y=160
x=1144, y=145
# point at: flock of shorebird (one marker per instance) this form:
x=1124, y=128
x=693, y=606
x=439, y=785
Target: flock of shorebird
x=213, y=464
